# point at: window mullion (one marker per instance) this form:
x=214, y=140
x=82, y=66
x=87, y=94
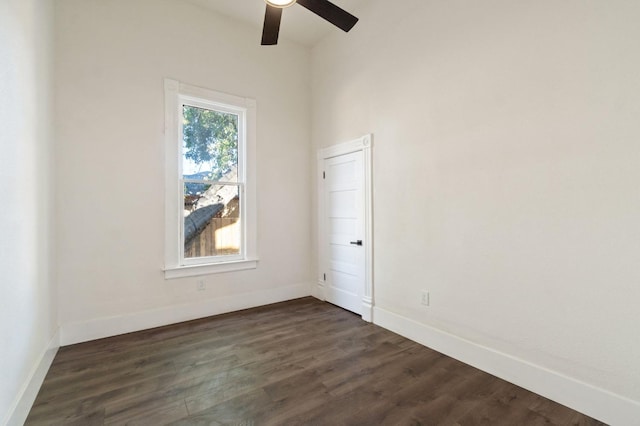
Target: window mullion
x=211, y=182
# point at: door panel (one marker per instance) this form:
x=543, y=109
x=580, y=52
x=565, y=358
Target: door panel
x=343, y=226
x=344, y=215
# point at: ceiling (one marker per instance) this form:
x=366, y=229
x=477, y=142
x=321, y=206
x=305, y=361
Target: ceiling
x=298, y=24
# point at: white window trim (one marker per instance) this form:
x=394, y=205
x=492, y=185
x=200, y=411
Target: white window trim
x=174, y=91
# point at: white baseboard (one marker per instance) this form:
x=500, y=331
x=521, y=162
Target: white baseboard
x=317, y=290
x=112, y=326
x=367, y=309
x=583, y=397
x=27, y=395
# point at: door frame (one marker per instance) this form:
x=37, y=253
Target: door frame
x=363, y=144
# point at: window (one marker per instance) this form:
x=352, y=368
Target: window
x=210, y=181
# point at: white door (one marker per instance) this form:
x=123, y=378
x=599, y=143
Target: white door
x=345, y=230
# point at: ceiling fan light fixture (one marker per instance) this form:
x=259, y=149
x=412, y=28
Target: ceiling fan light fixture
x=280, y=3
x=323, y=8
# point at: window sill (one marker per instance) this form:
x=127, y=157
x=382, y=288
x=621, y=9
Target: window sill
x=209, y=268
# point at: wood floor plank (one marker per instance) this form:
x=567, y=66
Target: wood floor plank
x=147, y=414
x=302, y=362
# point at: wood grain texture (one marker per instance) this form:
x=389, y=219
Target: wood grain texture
x=302, y=362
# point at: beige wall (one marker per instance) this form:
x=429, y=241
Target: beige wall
x=28, y=315
x=506, y=170
x=110, y=64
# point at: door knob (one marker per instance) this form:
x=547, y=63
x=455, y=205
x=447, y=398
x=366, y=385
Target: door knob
x=356, y=243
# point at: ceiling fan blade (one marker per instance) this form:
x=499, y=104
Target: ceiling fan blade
x=271, y=29
x=332, y=13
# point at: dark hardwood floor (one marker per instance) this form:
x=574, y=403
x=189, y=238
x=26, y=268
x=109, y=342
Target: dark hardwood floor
x=302, y=362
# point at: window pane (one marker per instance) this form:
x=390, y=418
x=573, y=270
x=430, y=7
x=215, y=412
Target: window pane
x=210, y=145
x=212, y=222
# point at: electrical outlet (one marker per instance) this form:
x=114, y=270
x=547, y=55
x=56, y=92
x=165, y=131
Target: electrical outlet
x=424, y=298
x=200, y=285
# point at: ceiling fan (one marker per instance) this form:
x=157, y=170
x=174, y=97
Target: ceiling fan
x=323, y=8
